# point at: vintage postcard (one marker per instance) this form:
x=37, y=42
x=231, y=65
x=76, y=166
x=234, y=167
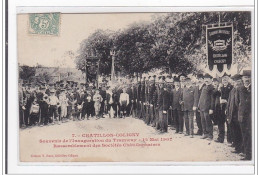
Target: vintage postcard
x=135, y=87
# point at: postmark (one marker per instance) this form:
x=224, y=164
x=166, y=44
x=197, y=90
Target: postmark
x=44, y=23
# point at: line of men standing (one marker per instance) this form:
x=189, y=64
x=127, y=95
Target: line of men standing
x=176, y=101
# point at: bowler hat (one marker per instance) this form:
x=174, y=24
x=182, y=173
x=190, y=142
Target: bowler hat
x=176, y=79
x=215, y=79
x=207, y=76
x=200, y=76
x=247, y=73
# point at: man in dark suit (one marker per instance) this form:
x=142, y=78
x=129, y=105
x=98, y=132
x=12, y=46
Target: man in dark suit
x=147, y=99
x=151, y=100
x=200, y=84
x=206, y=105
x=142, y=98
x=188, y=103
x=139, y=96
x=176, y=107
x=163, y=106
x=170, y=85
x=133, y=111
x=155, y=102
x=103, y=94
x=225, y=90
x=243, y=101
x=232, y=114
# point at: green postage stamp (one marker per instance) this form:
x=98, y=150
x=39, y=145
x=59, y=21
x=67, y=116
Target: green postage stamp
x=44, y=23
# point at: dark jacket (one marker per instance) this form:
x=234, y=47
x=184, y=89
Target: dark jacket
x=225, y=91
x=129, y=91
x=243, y=101
x=232, y=109
x=151, y=93
x=217, y=117
x=164, y=100
x=188, y=94
x=139, y=92
x=142, y=94
x=197, y=95
x=108, y=97
x=206, y=101
x=176, y=99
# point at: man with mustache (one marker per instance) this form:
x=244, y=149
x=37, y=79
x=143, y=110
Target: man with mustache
x=206, y=105
x=243, y=101
x=200, y=84
x=225, y=90
x=232, y=114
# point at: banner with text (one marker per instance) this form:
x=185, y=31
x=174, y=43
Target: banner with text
x=219, y=46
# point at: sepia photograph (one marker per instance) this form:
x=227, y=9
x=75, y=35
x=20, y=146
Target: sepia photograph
x=135, y=87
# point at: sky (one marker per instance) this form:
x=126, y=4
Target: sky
x=50, y=50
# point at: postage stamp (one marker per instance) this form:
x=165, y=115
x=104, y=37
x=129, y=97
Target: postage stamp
x=44, y=23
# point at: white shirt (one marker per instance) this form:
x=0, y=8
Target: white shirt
x=124, y=97
x=63, y=100
x=53, y=100
x=97, y=98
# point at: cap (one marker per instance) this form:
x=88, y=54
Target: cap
x=215, y=79
x=200, y=76
x=207, y=76
x=246, y=73
x=176, y=79
x=182, y=74
x=236, y=77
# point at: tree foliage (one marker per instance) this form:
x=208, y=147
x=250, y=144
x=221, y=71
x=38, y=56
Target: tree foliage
x=173, y=40
x=26, y=73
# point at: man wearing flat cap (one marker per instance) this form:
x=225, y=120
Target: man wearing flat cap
x=232, y=114
x=243, y=100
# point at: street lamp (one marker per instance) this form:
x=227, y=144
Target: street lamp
x=113, y=53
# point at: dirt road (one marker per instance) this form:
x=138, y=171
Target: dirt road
x=109, y=140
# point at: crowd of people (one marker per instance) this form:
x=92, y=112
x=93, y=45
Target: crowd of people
x=163, y=102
